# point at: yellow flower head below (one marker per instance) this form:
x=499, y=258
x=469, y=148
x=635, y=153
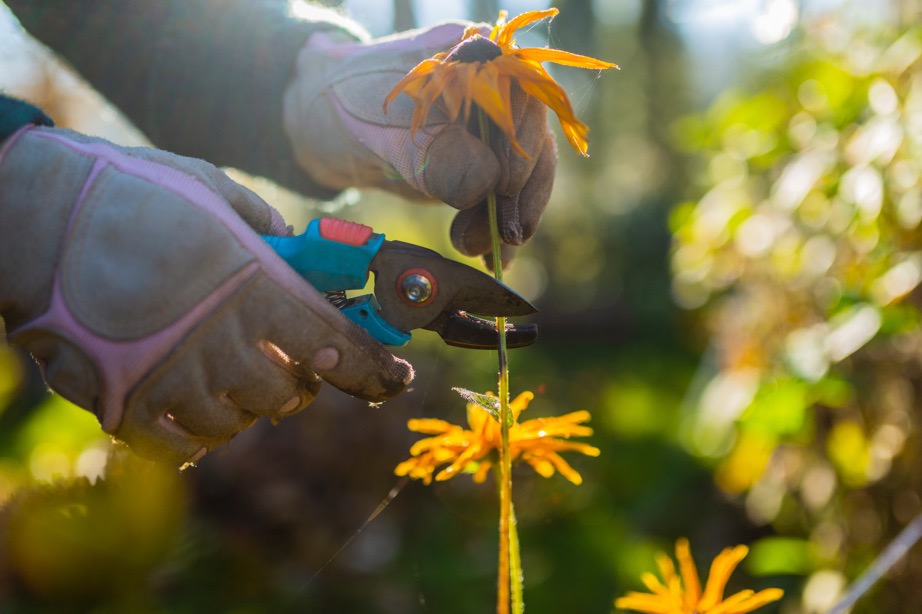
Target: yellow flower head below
x=537, y=442
x=681, y=593
x=480, y=70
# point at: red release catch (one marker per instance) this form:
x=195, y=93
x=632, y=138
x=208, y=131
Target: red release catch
x=341, y=231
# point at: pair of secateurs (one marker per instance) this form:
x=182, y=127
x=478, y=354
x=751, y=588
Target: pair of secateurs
x=414, y=287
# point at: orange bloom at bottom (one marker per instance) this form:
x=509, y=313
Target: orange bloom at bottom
x=537, y=442
x=681, y=594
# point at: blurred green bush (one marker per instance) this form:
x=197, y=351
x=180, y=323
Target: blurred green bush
x=802, y=257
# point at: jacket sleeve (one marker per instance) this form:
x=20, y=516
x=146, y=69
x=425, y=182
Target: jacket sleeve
x=14, y=114
x=202, y=78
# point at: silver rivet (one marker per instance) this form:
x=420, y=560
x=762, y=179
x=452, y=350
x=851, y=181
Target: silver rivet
x=416, y=288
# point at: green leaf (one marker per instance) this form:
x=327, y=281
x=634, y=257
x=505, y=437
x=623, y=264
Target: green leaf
x=488, y=402
x=771, y=556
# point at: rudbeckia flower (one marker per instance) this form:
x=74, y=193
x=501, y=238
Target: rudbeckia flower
x=480, y=70
x=681, y=594
x=536, y=442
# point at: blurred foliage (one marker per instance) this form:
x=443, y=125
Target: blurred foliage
x=803, y=253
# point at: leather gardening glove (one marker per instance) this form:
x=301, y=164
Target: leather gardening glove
x=342, y=137
x=138, y=281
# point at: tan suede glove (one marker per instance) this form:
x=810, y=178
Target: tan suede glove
x=138, y=281
x=342, y=137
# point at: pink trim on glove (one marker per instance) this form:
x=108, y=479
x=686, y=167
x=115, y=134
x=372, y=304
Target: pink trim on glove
x=8, y=143
x=191, y=189
x=121, y=364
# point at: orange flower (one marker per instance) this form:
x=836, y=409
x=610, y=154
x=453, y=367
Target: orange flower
x=534, y=441
x=481, y=70
x=681, y=594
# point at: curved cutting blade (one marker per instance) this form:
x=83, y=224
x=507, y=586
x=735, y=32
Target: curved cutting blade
x=455, y=290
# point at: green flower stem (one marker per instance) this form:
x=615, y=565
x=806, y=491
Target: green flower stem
x=510, y=561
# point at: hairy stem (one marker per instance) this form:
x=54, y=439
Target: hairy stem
x=510, y=565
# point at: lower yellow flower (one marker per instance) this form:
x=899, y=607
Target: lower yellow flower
x=537, y=442
x=681, y=594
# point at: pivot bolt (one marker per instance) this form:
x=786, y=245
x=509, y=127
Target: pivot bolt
x=416, y=288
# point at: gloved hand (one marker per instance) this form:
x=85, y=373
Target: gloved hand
x=138, y=281
x=342, y=137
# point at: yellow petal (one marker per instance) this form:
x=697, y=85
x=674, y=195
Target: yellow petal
x=491, y=92
x=469, y=32
x=725, y=606
x=504, y=38
x=405, y=467
x=454, y=94
x=564, y=468
x=415, y=468
x=554, y=445
x=557, y=426
x=425, y=67
x=429, y=426
x=689, y=572
x=642, y=602
x=653, y=584
x=666, y=568
x=536, y=82
x=477, y=417
x=483, y=469
x=457, y=440
x=430, y=93
x=753, y=602
x=541, y=466
x=475, y=452
x=498, y=26
x=564, y=58
x=719, y=574
x=520, y=402
x=575, y=133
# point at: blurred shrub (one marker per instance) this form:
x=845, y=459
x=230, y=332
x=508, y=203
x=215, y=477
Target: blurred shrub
x=802, y=254
x=75, y=542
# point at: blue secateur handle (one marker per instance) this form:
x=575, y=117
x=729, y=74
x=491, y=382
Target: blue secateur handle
x=414, y=287
x=340, y=261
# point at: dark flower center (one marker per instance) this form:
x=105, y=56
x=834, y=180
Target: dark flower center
x=475, y=49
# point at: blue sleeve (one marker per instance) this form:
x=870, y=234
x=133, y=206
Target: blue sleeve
x=14, y=114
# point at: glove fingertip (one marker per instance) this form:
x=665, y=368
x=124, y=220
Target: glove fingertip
x=470, y=231
x=364, y=368
x=506, y=254
x=519, y=215
x=461, y=169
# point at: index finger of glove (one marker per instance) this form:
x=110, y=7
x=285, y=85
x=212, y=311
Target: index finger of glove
x=318, y=338
x=518, y=214
x=292, y=314
x=256, y=212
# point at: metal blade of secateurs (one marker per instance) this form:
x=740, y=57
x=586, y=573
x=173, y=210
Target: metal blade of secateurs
x=458, y=291
x=461, y=329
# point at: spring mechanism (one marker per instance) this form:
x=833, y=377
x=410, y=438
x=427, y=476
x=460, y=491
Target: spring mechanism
x=337, y=298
